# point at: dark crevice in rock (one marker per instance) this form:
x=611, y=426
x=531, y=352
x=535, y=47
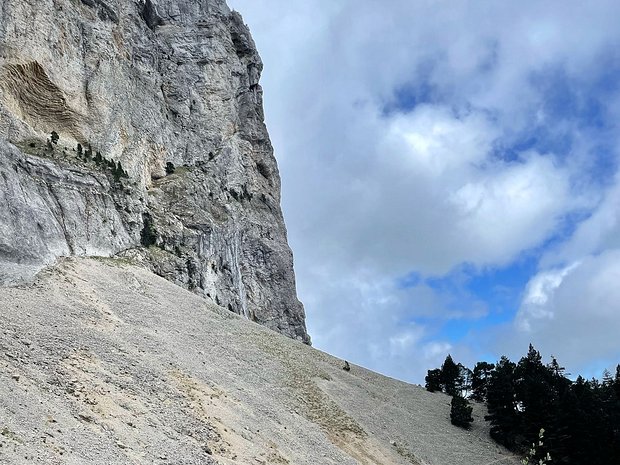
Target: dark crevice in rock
x=240, y=35
x=148, y=236
x=150, y=16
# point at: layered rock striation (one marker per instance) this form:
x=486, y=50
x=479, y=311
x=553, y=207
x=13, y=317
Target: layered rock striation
x=136, y=128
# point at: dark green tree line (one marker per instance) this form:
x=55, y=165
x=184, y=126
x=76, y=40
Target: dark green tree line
x=580, y=419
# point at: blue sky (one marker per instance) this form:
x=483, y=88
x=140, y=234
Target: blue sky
x=450, y=175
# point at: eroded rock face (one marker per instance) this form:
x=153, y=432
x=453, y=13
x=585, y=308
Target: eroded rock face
x=170, y=90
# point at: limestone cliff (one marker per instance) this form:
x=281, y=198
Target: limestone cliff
x=136, y=128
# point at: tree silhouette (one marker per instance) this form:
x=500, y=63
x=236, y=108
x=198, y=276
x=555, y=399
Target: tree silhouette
x=449, y=376
x=433, y=380
x=460, y=412
x=580, y=419
x=480, y=378
x=502, y=405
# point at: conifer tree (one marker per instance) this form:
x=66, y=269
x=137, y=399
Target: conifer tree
x=449, y=376
x=535, y=393
x=433, y=380
x=461, y=412
x=480, y=378
x=502, y=404
x=581, y=419
x=148, y=236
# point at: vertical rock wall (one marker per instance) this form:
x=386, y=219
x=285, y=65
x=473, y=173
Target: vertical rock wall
x=170, y=91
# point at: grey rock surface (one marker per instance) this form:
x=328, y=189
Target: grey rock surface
x=104, y=363
x=170, y=90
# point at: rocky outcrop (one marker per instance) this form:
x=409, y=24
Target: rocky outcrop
x=159, y=151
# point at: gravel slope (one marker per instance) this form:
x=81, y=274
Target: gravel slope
x=102, y=362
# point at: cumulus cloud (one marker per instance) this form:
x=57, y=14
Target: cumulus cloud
x=416, y=137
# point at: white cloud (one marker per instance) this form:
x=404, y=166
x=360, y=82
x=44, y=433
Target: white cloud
x=435, y=142
x=537, y=303
x=511, y=209
x=575, y=311
x=436, y=351
x=403, y=342
x=370, y=195
x=426, y=194
x=599, y=232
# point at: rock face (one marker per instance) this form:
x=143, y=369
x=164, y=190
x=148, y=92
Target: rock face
x=136, y=128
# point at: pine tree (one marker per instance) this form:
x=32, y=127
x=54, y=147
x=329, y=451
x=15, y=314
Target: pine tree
x=615, y=419
x=460, y=412
x=449, y=376
x=433, y=380
x=536, y=394
x=480, y=378
x=502, y=405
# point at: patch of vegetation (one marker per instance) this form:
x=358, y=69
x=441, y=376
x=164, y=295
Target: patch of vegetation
x=406, y=454
x=530, y=457
x=84, y=154
x=7, y=433
x=33, y=147
x=580, y=419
